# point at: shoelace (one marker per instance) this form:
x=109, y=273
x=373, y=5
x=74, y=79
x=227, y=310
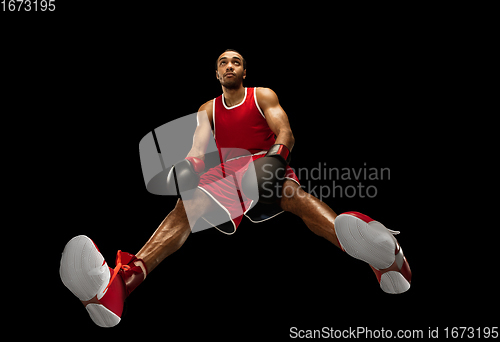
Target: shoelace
x=117, y=268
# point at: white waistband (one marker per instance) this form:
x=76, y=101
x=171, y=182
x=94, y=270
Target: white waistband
x=250, y=155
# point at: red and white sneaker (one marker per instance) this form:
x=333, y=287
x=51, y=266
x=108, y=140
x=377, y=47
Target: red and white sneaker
x=101, y=289
x=366, y=239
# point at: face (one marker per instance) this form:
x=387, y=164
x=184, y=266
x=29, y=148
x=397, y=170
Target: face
x=230, y=72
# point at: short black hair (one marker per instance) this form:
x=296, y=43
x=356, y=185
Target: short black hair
x=244, y=60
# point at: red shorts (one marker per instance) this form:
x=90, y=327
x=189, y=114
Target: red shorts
x=222, y=184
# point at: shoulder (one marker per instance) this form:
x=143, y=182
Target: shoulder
x=207, y=107
x=266, y=97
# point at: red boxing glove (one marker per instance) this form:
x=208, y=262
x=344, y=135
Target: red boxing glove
x=197, y=163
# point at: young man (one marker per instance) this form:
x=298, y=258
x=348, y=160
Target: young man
x=241, y=119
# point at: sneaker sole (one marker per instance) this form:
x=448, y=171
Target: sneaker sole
x=370, y=241
x=85, y=273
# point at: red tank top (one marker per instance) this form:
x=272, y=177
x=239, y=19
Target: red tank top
x=242, y=126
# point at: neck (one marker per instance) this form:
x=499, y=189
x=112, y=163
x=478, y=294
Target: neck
x=233, y=96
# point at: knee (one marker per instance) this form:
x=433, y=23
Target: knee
x=292, y=196
x=197, y=206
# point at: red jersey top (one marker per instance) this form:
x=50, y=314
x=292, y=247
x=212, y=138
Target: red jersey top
x=242, y=126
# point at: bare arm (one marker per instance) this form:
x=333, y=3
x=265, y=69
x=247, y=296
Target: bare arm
x=203, y=131
x=275, y=116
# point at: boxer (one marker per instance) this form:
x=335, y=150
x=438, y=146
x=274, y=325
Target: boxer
x=241, y=119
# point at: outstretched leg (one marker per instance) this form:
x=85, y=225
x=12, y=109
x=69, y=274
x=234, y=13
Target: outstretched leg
x=357, y=234
x=175, y=229
x=103, y=290
x=317, y=215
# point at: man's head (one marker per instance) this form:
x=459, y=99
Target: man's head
x=230, y=69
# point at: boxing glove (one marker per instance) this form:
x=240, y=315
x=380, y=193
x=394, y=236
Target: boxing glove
x=185, y=176
x=263, y=182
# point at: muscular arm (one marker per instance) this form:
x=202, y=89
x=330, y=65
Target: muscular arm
x=275, y=116
x=203, y=131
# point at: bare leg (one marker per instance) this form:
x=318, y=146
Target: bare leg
x=318, y=216
x=174, y=230
x=384, y=255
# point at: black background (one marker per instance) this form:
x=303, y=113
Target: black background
x=373, y=94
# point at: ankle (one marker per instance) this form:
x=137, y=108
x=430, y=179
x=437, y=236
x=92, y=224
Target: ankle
x=135, y=274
